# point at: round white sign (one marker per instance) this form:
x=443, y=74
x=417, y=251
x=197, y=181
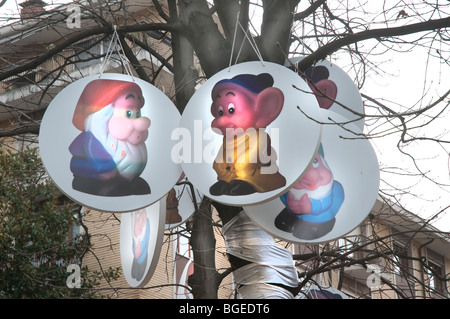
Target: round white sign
x=332, y=197
x=141, y=239
x=238, y=141
x=106, y=142
x=334, y=90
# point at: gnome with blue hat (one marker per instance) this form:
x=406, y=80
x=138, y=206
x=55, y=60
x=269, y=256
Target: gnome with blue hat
x=243, y=107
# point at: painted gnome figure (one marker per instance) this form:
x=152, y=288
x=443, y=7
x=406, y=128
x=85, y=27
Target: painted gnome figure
x=242, y=107
x=110, y=153
x=312, y=203
x=141, y=236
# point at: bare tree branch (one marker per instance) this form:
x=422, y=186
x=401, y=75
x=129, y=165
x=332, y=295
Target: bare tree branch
x=333, y=46
x=82, y=35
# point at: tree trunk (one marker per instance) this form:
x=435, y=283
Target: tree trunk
x=213, y=50
x=185, y=73
x=205, y=280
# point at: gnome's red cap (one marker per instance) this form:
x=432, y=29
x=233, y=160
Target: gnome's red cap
x=100, y=93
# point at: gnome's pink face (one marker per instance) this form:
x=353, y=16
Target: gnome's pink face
x=127, y=122
x=233, y=108
x=316, y=176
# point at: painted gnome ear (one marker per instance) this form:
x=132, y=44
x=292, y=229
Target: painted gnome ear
x=325, y=92
x=268, y=106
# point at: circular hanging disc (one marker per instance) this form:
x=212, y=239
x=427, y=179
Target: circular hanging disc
x=334, y=195
x=106, y=142
x=334, y=90
x=141, y=239
x=239, y=137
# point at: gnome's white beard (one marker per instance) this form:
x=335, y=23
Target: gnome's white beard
x=130, y=159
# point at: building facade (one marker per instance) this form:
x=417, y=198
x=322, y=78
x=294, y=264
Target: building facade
x=393, y=254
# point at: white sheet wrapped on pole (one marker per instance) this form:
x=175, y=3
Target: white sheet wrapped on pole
x=269, y=263
x=264, y=291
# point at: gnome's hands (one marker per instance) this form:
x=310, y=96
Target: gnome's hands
x=300, y=206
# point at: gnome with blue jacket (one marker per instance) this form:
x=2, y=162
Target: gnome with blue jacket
x=312, y=203
x=109, y=154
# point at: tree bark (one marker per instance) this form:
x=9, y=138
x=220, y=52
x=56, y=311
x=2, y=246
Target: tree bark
x=209, y=44
x=275, y=29
x=185, y=73
x=335, y=45
x=213, y=50
x=205, y=280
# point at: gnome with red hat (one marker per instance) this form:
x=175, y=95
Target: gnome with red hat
x=110, y=154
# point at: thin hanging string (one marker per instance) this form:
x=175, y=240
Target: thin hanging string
x=107, y=56
x=258, y=53
x=116, y=45
x=234, y=41
x=253, y=45
x=250, y=40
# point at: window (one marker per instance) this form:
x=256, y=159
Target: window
x=401, y=261
x=158, y=35
x=434, y=273
x=21, y=80
x=88, y=52
x=346, y=246
x=183, y=266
